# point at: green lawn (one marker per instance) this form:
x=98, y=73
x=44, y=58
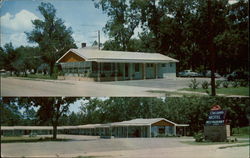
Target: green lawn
x=175, y=93
x=244, y=91
x=214, y=143
x=15, y=139
x=34, y=76
x=41, y=76
x=242, y=132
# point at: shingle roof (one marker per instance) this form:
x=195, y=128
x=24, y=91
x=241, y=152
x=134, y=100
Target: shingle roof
x=134, y=122
x=26, y=127
x=119, y=56
x=140, y=122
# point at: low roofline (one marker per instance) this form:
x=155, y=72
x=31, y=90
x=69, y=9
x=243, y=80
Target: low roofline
x=182, y=125
x=118, y=60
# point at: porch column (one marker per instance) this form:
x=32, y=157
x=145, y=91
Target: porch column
x=123, y=74
x=150, y=131
x=144, y=70
x=110, y=131
x=127, y=131
x=98, y=72
x=116, y=71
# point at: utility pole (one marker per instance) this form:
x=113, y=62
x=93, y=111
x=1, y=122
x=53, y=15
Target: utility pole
x=211, y=50
x=99, y=44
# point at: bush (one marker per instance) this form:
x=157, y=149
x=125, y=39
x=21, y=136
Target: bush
x=225, y=84
x=235, y=84
x=218, y=84
x=199, y=137
x=205, y=85
x=243, y=83
x=194, y=84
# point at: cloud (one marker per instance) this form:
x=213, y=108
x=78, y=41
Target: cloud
x=17, y=39
x=18, y=22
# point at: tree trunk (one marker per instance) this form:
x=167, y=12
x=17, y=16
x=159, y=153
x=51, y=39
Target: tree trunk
x=51, y=69
x=54, y=130
x=211, y=49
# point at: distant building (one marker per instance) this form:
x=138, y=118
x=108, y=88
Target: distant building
x=100, y=65
x=155, y=127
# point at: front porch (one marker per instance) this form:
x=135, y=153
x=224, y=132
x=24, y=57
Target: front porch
x=103, y=71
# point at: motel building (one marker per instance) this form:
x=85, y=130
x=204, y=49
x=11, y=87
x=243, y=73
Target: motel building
x=99, y=65
x=147, y=128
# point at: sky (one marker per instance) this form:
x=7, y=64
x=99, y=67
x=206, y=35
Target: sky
x=81, y=15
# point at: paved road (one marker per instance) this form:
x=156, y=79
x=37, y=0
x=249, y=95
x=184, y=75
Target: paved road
x=22, y=87
x=26, y=87
x=121, y=147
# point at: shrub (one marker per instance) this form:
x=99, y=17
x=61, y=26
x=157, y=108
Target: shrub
x=194, y=84
x=235, y=84
x=199, y=137
x=218, y=84
x=225, y=84
x=205, y=85
x=243, y=83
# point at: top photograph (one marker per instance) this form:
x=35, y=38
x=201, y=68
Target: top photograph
x=124, y=48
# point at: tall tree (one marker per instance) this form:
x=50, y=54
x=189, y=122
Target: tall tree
x=52, y=36
x=122, y=23
x=10, y=114
x=50, y=108
x=9, y=56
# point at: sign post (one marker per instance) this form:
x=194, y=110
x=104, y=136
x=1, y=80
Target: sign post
x=216, y=128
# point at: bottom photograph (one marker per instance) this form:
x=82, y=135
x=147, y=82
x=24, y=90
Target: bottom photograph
x=90, y=127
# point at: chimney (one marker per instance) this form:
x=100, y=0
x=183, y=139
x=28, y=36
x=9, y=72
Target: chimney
x=83, y=45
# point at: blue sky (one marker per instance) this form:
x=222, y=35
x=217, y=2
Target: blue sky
x=81, y=15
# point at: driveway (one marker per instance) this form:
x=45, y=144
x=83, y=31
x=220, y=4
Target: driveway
x=11, y=86
x=121, y=147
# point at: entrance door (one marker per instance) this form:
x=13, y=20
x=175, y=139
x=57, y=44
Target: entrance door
x=161, y=130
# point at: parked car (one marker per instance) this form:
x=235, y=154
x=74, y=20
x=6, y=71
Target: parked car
x=216, y=75
x=237, y=75
x=188, y=73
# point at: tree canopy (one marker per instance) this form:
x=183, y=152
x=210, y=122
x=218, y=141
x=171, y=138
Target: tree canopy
x=52, y=36
x=180, y=29
x=50, y=109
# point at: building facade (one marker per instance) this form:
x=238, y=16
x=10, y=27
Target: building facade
x=156, y=127
x=99, y=65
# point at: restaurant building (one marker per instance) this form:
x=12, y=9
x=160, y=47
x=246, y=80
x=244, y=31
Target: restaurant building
x=100, y=65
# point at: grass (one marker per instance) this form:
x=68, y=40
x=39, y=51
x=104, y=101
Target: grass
x=15, y=139
x=212, y=143
x=242, y=132
x=170, y=93
x=41, y=76
x=34, y=76
x=244, y=91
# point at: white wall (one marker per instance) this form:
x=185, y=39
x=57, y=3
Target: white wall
x=167, y=70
